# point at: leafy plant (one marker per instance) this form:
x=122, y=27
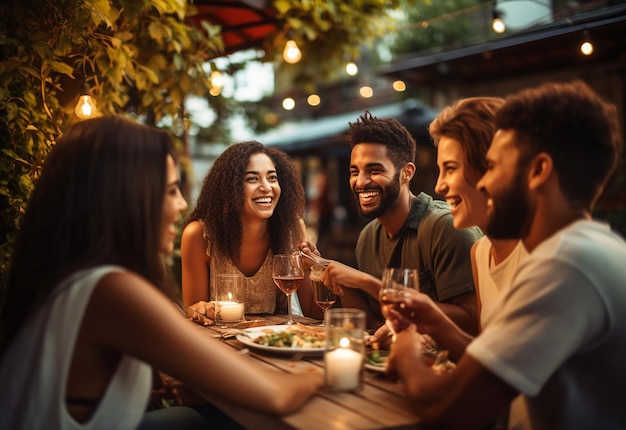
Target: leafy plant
x=138, y=57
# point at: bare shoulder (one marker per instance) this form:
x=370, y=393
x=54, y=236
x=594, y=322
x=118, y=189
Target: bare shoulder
x=122, y=287
x=193, y=238
x=194, y=229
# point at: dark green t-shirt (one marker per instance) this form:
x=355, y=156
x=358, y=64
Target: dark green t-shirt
x=429, y=243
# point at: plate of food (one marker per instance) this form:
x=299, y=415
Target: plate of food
x=285, y=339
x=376, y=360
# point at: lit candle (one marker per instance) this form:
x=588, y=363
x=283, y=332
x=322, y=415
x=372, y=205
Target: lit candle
x=343, y=367
x=230, y=311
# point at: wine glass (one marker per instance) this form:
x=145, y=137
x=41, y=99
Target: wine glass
x=288, y=274
x=324, y=296
x=393, y=291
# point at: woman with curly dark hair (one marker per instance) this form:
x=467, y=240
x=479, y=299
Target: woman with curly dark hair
x=249, y=209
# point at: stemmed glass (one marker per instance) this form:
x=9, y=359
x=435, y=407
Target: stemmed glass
x=324, y=296
x=393, y=291
x=288, y=274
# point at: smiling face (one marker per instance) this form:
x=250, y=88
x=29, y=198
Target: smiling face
x=261, y=189
x=457, y=182
x=374, y=179
x=508, y=202
x=173, y=204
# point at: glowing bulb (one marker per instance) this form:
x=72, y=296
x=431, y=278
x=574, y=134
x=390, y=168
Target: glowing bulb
x=292, y=53
x=366, y=92
x=586, y=48
x=86, y=107
x=498, y=25
x=351, y=68
x=398, y=86
x=289, y=103
x=313, y=100
x=217, y=80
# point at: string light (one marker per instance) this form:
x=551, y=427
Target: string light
x=217, y=83
x=351, y=68
x=366, y=92
x=292, y=53
x=313, y=100
x=398, y=86
x=496, y=23
x=86, y=106
x=586, y=47
x=289, y=103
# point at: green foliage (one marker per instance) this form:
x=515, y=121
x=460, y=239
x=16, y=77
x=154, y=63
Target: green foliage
x=329, y=33
x=443, y=24
x=137, y=56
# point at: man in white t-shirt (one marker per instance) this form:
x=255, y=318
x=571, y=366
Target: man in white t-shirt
x=559, y=335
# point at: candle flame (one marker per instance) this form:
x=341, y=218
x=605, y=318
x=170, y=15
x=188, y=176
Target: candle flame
x=230, y=297
x=344, y=342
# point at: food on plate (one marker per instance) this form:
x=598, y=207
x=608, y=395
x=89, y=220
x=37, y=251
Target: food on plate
x=377, y=358
x=437, y=360
x=443, y=367
x=293, y=336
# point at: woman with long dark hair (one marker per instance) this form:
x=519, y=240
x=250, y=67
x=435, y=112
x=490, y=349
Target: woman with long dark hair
x=88, y=310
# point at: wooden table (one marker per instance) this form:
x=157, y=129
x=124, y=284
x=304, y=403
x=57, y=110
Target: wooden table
x=380, y=405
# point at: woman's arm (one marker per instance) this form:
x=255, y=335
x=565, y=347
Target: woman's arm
x=195, y=264
x=128, y=315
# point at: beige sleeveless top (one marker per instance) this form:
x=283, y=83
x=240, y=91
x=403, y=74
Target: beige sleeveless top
x=261, y=293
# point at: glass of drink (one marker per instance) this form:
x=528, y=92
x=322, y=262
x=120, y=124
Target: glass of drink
x=393, y=291
x=288, y=273
x=324, y=296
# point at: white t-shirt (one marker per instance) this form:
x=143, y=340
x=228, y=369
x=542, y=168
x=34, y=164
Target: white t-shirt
x=34, y=372
x=560, y=334
x=493, y=280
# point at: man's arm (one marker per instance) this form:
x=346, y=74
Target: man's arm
x=470, y=396
x=462, y=310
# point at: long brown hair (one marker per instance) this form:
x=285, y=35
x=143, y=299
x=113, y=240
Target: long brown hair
x=221, y=200
x=99, y=200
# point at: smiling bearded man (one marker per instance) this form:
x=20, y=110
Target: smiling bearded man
x=408, y=231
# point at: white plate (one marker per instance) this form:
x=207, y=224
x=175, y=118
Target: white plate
x=253, y=333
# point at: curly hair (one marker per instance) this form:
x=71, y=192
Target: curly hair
x=578, y=129
x=220, y=202
x=471, y=122
x=389, y=132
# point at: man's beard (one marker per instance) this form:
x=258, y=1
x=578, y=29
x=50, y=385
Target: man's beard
x=510, y=211
x=389, y=195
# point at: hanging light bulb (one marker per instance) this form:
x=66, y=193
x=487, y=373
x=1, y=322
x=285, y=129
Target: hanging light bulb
x=86, y=106
x=351, y=68
x=217, y=80
x=291, y=53
x=586, y=48
x=217, y=83
x=496, y=23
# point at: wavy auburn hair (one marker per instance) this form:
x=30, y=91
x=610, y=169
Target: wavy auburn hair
x=472, y=123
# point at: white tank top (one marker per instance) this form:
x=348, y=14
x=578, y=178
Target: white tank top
x=34, y=372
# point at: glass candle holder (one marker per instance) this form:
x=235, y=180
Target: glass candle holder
x=229, y=307
x=345, y=349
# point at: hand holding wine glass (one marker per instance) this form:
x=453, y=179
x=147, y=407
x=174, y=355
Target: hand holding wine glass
x=324, y=296
x=288, y=273
x=393, y=291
